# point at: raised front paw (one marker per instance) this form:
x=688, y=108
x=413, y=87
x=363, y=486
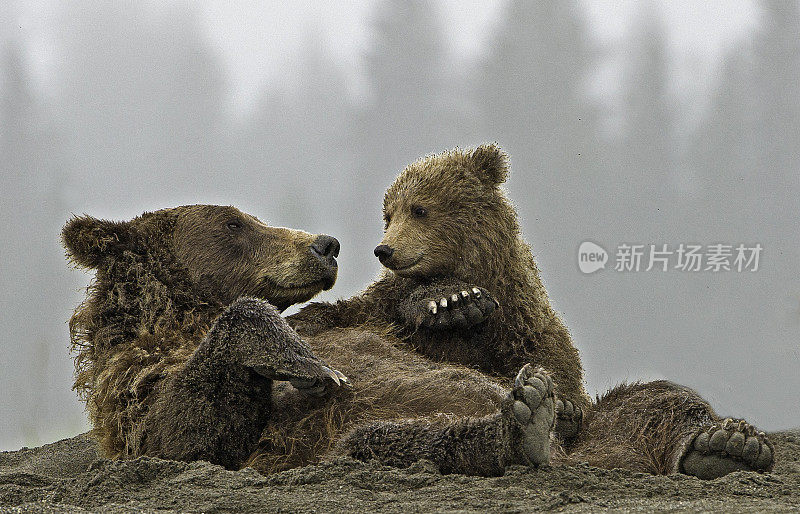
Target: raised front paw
x=569, y=418
x=459, y=310
x=725, y=447
x=530, y=414
x=252, y=333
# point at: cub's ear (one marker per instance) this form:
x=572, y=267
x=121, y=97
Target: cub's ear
x=491, y=164
x=89, y=240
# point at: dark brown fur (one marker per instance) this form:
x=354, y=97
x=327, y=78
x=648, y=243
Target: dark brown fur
x=161, y=280
x=389, y=383
x=642, y=427
x=653, y=427
x=468, y=236
x=166, y=370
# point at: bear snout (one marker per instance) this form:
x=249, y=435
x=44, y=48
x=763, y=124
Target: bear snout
x=383, y=253
x=326, y=248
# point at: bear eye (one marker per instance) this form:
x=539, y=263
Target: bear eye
x=419, y=212
x=386, y=220
x=234, y=225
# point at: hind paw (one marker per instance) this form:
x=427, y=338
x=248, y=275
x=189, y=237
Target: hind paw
x=728, y=446
x=569, y=418
x=530, y=411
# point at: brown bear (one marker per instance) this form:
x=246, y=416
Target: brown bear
x=182, y=354
x=452, y=245
x=449, y=226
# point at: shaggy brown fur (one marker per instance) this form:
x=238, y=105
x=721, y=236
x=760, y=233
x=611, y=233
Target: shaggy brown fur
x=658, y=427
x=161, y=280
x=167, y=371
x=391, y=383
x=644, y=427
x=450, y=227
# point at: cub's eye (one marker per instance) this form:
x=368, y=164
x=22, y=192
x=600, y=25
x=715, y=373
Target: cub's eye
x=386, y=221
x=419, y=212
x=234, y=225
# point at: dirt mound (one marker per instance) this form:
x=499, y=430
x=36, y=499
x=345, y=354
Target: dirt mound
x=67, y=476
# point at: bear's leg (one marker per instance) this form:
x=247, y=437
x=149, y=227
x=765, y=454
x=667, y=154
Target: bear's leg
x=658, y=427
x=215, y=408
x=640, y=427
x=518, y=434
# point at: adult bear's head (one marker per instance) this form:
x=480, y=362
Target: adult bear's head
x=221, y=251
x=446, y=214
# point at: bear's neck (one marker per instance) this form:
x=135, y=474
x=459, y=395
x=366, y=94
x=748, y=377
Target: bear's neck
x=133, y=299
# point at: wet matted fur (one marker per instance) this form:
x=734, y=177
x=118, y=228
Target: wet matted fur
x=174, y=360
x=449, y=228
x=466, y=234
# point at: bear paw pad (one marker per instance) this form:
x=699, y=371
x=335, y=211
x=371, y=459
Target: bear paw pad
x=569, y=418
x=530, y=408
x=728, y=446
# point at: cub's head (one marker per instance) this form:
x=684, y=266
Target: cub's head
x=222, y=250
x=446, y=214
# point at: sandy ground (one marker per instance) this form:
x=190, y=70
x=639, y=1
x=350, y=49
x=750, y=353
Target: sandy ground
x=67, y=476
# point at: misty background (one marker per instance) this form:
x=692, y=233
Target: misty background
x=626, y=122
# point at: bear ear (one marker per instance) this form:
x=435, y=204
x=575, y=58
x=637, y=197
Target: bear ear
x=491, y=164
x=89, y=240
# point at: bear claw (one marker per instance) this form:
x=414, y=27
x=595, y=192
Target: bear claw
x=459, y=310
x=432, y=308
x=532, y=414
x=317, y=387
x=728, y=446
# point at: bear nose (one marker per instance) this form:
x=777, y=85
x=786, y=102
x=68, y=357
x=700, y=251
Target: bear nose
x=327, y=247
x=383, y=252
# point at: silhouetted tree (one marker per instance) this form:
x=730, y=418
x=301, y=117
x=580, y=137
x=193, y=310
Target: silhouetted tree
x=34, y=289
x=747, y=166
x=533, y=99
x=296, y=139
x=410, y=108
x=143, y=100
x=745, y=150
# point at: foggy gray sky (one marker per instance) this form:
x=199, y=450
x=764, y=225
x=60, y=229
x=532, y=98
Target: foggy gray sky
x=646, y=122
x=260, y=40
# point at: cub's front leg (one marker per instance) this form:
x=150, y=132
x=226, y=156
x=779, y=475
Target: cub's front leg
x=448, y=305
x=215, y=408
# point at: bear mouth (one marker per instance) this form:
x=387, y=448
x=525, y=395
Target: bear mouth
x=321, y=284
x=404, y=267
x=312, y=286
